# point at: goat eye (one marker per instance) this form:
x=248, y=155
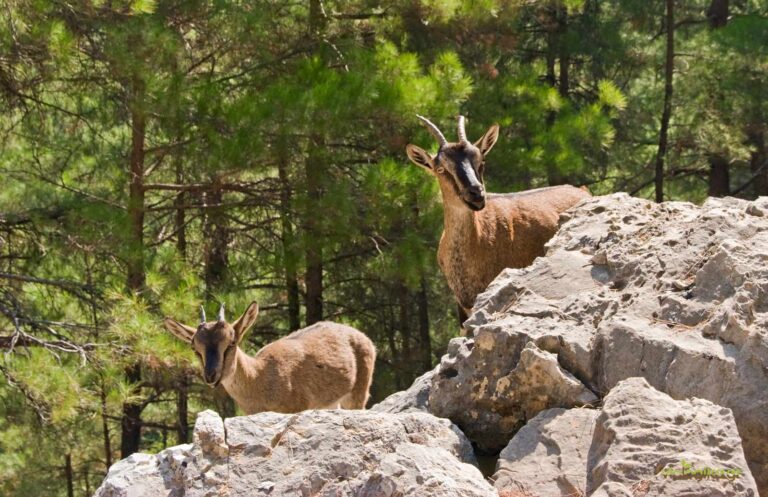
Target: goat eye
x=440, y=169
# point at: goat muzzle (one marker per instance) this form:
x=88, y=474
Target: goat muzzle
x=474, y=197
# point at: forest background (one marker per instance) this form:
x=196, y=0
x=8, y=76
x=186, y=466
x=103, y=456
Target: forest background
x=160, y=154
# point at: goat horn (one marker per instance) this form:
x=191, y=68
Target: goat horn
x=462, y=132
x=202, y=315
x=434, y=130
x=221, y=312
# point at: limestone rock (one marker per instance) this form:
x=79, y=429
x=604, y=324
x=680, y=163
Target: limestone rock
x=323, y=453
x=142, y=475
x=415, y=399
x=673, y=292
x=207, y=471
x=548, y=456
x=351, y=453
x=633, y=446
x=490, y=400
x=642, y=436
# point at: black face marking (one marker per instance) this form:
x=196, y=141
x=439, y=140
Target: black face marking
x=463, y=164
x=211, y=363
x=211, y=358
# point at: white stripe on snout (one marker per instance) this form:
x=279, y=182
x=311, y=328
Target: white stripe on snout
x=471, y=176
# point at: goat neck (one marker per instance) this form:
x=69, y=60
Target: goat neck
x=243, y=384
x=458, y=220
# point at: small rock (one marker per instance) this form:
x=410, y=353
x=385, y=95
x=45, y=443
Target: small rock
x=209, y=434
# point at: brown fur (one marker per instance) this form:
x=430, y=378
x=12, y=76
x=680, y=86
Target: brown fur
x=326, y=365
x=510, y=232
x=484, y=233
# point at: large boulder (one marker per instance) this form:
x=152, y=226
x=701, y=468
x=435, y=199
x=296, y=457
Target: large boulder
x=642, y=442
x=319, y=453
x=673, y=292
x=548, y=456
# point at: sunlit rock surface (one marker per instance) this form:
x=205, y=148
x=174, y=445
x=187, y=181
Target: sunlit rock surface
x=673, y=292
x=634, y=445
x=320, y=453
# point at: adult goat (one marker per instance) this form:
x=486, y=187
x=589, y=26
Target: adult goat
x=484, y=233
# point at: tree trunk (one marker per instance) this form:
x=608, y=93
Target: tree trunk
x=217, y=241
x=289, y=242
x=394, y=355
x=667, y=113
x=719, y=176
x=136, y=278
x=565, y=57
x=317, y=19
x=105, y=429
x=312, y=236
x=422, y=302
x=182, y=415
x=551, y=56
x=313, y=249
x=181, y=232
x=717, y=13
x=131, y=419
x=758, y=161
x=68, y=475
x=404, y=301
x=555, y=50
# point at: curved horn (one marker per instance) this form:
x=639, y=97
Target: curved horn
x=221, y=313
x=462, y=132
x=202, y=315
x=434, y=130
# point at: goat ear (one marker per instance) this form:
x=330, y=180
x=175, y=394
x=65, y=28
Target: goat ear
x=245, y=321
x=182, y=331
x=486, y=143
x=420, y=157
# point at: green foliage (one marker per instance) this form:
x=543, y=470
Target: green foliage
x=143, y=6
x=272, y=132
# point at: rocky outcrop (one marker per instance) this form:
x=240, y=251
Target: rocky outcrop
x=672, y=292
x=495, y=406
x=642, y=442
x=322, y=453
x=415, y=399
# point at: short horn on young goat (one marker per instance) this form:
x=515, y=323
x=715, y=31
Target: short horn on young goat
x=221, y=313
x=202, y=315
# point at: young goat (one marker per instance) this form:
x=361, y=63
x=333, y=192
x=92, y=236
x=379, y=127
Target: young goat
x=323, y=366
x=484, y=233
